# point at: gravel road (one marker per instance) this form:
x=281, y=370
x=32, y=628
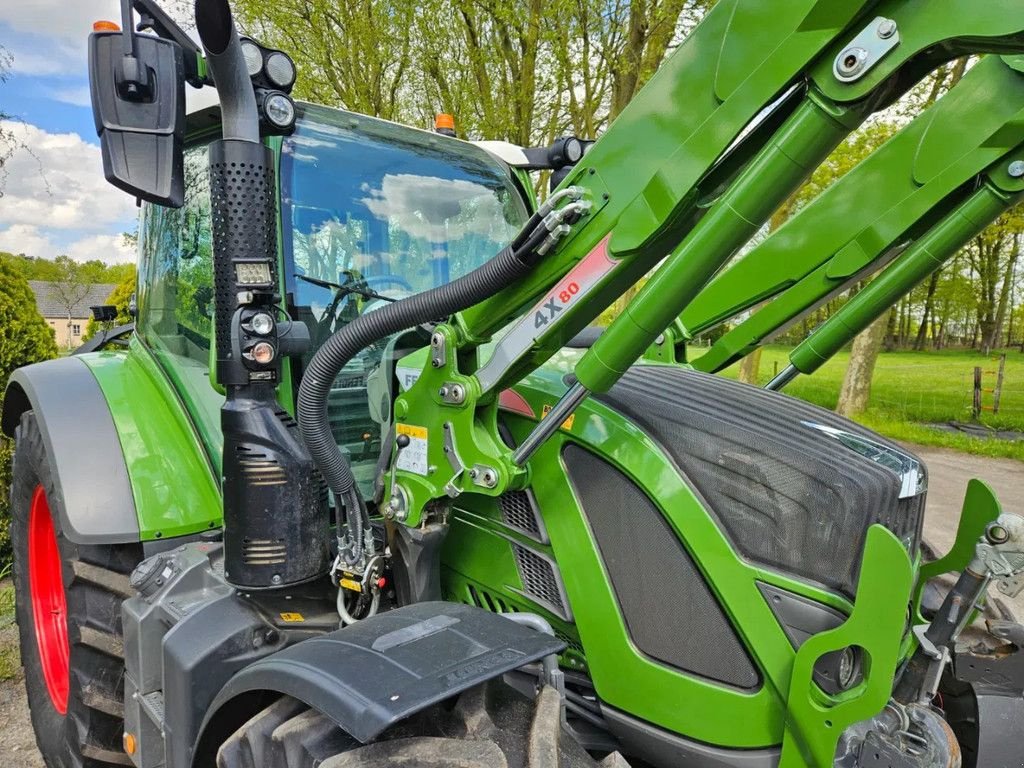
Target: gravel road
x=949, y=472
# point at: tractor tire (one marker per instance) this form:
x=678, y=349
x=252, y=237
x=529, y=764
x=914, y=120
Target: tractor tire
x=68, y=607
x=490, y=726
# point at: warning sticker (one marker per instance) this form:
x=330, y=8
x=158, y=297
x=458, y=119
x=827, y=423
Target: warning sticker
x=413, y=458
x=291, y=617
x=567, y=424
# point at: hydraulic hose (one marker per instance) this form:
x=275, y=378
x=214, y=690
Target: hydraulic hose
x=509, y=265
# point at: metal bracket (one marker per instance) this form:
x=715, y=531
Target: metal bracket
x=437, y=350
x=454, y=460
x=452, y=392
x=865, y=50
x=940, y=658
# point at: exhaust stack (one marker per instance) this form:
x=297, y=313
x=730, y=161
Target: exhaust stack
x=275, y=505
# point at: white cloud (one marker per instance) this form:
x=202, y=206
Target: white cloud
x=51, y=35
x=55, y=199
x=58, y=182
x=78, y=96
x=30, y=240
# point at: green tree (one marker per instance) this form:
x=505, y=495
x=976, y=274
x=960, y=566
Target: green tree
x=121, y=298
x=24, y=338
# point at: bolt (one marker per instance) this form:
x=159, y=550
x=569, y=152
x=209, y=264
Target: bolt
x=436, y=340
x=275, y=579
x=660, y=340
x=851, y=61
x=489, y=479
x=473, y=473
x=458, y=393
x=443, y=392
x=1016, y=169
x=435, y=363
x=886, y=28
x=997, y=534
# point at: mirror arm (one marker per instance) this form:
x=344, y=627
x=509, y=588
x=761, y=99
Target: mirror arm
x=154, y=18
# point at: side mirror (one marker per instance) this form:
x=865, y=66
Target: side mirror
x=104, y=313
x=137, y=83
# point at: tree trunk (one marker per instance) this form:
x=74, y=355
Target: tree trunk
x=891, y=329
x=750, y=366
x=856, y=391
x=926, y=317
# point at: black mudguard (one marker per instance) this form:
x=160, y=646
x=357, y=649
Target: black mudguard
x=373, y=674
x=97, y=506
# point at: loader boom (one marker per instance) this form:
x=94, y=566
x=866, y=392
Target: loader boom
x=689, y=172
x=872, y=215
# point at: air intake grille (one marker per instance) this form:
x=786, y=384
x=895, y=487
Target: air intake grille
x=264, y=552
x=519, y=511
x=540, y=580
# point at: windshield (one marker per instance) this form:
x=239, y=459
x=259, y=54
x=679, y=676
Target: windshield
x=374, y=212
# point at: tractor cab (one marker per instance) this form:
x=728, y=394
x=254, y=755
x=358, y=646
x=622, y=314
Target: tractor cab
x=370, y=212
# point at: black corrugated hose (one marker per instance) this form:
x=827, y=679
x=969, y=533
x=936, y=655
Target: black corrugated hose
x=509, y=265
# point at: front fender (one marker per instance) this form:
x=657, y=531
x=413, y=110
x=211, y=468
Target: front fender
x=129, y=463
x=91, y=477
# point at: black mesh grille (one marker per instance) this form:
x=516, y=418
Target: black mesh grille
x=788, y=495
x=540, y=581
x=670, y=611
x=519, y=511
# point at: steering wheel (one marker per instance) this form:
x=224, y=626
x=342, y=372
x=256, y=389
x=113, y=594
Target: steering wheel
x=401, y=282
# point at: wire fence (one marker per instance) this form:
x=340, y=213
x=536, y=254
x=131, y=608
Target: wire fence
x=937, y=389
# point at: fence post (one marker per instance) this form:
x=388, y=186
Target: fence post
x=999, y=383
x=976, y=410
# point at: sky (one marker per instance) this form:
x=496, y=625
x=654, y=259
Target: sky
x=55, y=199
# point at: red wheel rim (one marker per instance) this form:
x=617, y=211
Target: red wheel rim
x=49, y=607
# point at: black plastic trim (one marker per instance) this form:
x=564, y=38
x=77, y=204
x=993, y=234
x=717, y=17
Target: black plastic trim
x=661, y=747
x=83, y=446
x=370, y=675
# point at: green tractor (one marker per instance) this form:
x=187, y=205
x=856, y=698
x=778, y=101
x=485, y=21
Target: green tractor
x=366, y=489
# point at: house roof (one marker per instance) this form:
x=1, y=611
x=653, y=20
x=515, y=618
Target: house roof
x=51, y=305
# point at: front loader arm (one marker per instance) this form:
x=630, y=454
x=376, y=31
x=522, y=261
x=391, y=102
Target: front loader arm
x=919, y=177
x=670, y=180
x=663, y=180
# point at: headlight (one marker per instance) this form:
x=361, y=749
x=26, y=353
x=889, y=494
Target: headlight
x=253, y=56
x=280, y=70
x=279, y=110
x=848, y=668
x=262, y=323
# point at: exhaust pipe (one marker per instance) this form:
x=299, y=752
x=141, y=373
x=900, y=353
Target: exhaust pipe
x=227, y=66
x=276, y=530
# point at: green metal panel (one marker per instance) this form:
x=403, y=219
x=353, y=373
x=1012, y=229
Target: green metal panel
x=980, y=508
x=876, y=626
x=478, y=554
x=172, y=481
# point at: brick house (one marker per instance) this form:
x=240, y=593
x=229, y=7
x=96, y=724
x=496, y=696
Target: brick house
x=68, y=322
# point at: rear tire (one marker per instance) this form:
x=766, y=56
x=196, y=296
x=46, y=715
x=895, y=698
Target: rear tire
x=74, y=662
x=490, y=726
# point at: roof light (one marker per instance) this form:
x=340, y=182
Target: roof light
x=105, y=26
x=444, y=124
x=280, y=69
x=253, y=57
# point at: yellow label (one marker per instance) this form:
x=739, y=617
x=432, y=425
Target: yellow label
x=412, y=431
x=352, y=584
x=567, y=424
x=291, y=617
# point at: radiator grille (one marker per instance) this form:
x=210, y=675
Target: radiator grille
x=519, y=511
x=541, y=581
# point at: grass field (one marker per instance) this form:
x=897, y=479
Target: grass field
x=913, y=389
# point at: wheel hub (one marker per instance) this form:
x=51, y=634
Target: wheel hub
x=49, y=606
